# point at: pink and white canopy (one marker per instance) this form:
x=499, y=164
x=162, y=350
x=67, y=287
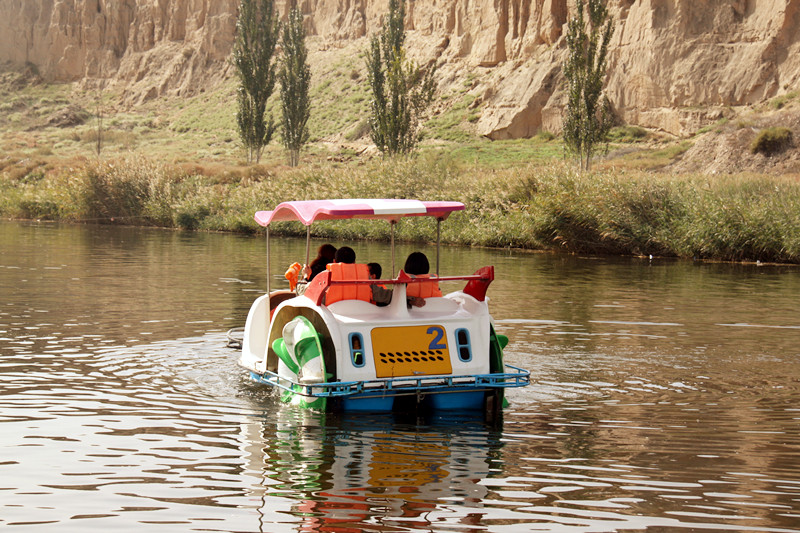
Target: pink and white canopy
x=308, y=211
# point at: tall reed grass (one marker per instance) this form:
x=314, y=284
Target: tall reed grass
x=551, y=207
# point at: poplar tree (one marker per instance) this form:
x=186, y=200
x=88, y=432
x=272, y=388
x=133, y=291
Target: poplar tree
x=587, y=119
x=401, y=90
x=295, y=79
x=257, y=32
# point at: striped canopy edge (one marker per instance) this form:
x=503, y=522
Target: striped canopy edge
x=309, y=211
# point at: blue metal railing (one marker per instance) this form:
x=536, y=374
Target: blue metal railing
x=517, y=377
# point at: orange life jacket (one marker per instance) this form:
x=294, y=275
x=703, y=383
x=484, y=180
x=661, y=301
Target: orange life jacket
x=348, y=271
x=292, y=274
x=424, y=289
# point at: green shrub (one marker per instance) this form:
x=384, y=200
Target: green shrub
x=39, y=209
x=128, y=192
x=627, y=134
x=544, y=206
x=780, y=101
x=771, y=141
x=359, y=130
x=192, y=217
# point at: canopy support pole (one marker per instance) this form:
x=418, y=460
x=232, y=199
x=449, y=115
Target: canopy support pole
x=438, y=240
x=392, y=223
x=308, y=244
x=268, y=269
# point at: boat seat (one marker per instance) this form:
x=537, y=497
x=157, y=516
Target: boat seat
x=354, y=291
x=357, y=309
x=436, y=307
x=278, y=297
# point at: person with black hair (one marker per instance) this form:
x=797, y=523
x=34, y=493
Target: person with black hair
x=345, y=254
x=325, y=255
x=375, y=270
x=417, y=266
x=381, y=296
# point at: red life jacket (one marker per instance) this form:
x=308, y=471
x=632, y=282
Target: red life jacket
x=424, y=289
x=348, y=271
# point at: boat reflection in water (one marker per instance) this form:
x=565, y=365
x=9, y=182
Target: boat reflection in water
x=348, y=472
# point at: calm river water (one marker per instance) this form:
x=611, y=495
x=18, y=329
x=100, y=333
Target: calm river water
x=666, y=397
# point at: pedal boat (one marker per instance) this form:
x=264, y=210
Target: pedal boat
x=352, y=355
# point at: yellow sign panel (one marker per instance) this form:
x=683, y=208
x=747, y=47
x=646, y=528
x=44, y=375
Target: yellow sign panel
x=410, y=351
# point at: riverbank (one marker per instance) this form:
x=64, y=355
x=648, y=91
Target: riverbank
x=548, y=206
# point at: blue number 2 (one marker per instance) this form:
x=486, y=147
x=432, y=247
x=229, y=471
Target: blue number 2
x=438, y=333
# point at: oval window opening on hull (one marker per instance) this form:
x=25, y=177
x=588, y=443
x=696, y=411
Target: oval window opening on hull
x=356, y=342
x=463, y=345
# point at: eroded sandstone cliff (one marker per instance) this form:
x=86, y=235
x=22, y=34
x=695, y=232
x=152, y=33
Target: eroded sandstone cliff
x=674, y=64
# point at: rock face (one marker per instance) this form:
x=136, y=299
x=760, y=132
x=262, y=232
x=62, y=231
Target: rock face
x=673, y=65
x=152, y=47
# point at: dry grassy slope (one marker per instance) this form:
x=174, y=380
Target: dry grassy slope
x=726, y=147
x=671, y=60
x=675, y=66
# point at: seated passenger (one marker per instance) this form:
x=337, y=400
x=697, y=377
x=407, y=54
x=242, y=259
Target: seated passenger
x=345, y=267
x=325, y=255
x=375, y=270
x=380, y=294
x=346, y=255
x=417, y=266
